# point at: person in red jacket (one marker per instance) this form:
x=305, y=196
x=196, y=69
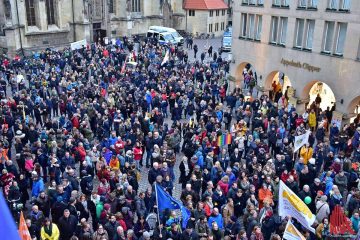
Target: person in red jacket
x=119, y=146
x=138, y=154
x=80, y=152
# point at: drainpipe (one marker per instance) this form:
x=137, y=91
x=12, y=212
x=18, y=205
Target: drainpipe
x=73, y=20
x=18, y=22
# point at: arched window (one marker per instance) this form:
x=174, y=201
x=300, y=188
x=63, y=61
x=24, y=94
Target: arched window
x=30, y=12
x=50, y=11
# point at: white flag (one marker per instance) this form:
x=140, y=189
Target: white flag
x=291, y=232
x=301, y=140
x=291, y=205
x=166, y=58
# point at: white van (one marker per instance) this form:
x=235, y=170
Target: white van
x=162, y=37
x=179, y=39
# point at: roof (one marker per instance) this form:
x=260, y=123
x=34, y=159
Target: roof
x=205, y=4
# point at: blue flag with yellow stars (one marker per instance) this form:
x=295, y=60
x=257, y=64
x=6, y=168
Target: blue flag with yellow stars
x=165, y=201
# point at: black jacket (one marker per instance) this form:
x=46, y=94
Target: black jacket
x=67, y=227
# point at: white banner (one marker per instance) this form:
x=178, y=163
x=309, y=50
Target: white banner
x=301, y=140
x=78, y=44
x=291, y=205
x=291, y=232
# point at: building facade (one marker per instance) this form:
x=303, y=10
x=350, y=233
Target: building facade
x=311, y=45
x=131, y=17
x=31, y=25
x=206, y=16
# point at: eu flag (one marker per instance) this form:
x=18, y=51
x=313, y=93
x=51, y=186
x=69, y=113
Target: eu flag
x=8, y=229
x=165, y=201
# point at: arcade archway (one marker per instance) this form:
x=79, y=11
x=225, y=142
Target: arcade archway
x=354, y=108
x=319, y=94
x=278, y=82
x=241, y=69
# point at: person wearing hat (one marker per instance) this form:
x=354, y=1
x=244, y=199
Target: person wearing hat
x=322, y=209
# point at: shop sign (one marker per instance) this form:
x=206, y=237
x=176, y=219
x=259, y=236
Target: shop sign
x=299, y=64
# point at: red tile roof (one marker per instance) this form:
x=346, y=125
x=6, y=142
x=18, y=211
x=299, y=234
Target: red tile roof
x=205, y=4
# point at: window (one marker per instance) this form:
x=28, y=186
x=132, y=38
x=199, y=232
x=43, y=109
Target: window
x=304, y=33
x=283, y=29
x=30, y=12
x=211, y=13
x=358, y=52
x=344, y=5
x=310, y=34
x=258, y=27
x=243, y=24
x=341, y=5
x=217, y=12
x=278, y=30
x=299, y=32
x=216, y=27
x=253, y=2
x=251, y=33
x=192, y=13
x=274, y=29
x=222, y=26
x=223, y=12
x=328, y=36
x=111, y=6
x=210, y=27
x=310, y=4
x=50, y=11
x=251, y=26
x=281, y=3
x=135, y=6
x=340, y=38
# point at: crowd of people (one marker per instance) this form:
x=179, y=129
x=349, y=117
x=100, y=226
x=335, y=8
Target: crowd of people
x=79, y=128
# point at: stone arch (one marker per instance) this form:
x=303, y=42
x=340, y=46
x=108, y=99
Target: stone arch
x=315, y=87
x=239, y=72
x=274, y=75
x=353, y=105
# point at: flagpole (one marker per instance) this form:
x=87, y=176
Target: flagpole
x=157, y=204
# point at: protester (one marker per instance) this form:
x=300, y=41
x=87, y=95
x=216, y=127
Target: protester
x=76, y=132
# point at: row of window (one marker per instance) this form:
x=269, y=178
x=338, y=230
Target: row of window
x=31, y=13
x=134, y=7
x=334, y=34
x=222, y=27
x=217, y=12
x=332, y=5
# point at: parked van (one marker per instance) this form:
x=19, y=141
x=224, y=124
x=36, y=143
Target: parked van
x=227, y=40
x=178, y=38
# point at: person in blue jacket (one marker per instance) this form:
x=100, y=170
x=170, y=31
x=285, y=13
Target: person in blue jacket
x=38, y=185
x=216, y=217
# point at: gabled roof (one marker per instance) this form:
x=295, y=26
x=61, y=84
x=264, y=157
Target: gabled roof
x=205, y=4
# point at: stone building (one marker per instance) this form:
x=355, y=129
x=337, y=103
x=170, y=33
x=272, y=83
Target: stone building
x=30, y=25
x=311, y=46
x=130, y=17
x=206, y=16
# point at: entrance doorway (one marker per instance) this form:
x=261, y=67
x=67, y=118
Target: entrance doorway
x=278, y=82
x=321, y=95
